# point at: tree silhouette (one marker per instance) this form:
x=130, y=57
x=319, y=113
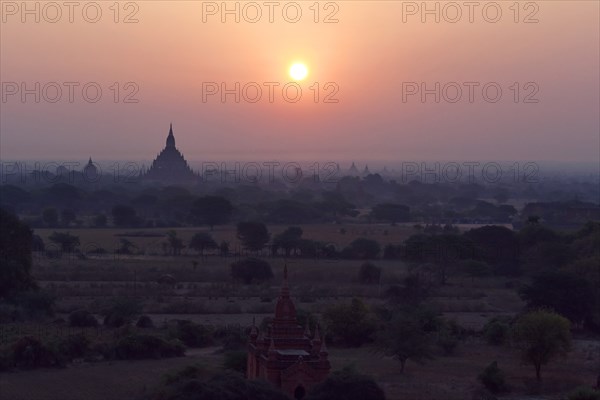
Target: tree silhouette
x=211, y=210
x=253, y=235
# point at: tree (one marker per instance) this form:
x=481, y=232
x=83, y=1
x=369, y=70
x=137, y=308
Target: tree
x=541, y=336
x=68, y=243
x=476, y=269
x=347, y=385
x=351, y=324
x=566, y=293
x=405, y=337
x=254, y=235
x=15, y=255
x=496, y=245
x=251, y=270
x=390, y=212
x=50, y=217
x=369, y=273
x=67, y=216
x=175, y=243
x=99, y=221
x=415, y=289
x=288, y=240
x=211, y=210
x=362, y=249
x=202, y=241
x=493, y=378
x=125, y=246
x=124, y=216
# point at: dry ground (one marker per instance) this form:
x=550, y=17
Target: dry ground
x=315, y=284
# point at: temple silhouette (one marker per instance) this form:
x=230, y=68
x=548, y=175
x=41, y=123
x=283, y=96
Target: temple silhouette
x=170, y=166
x=286, y=355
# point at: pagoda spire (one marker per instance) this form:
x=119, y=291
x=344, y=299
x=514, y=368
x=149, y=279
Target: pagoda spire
x=307, y=328
x=285, y=287
x=323, y=351
x=171, y=137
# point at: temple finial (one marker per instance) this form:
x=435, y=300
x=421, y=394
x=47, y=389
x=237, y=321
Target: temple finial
x=307, y=328
x=171, y=137
x=285, y=288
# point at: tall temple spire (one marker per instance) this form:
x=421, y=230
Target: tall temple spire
x=171, y=138
x=285, y=309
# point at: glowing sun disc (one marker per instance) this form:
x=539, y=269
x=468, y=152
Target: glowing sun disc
x=298, y=71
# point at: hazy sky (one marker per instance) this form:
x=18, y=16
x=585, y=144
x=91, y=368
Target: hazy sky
x=373, y=55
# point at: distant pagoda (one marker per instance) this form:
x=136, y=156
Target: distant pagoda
x=170, y=166
x=353, y=171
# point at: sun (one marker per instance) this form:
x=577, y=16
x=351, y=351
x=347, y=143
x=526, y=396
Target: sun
x=298, y=71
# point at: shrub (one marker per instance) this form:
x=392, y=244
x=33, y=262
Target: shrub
x=191, y=384
x=352, y=324
x=369, y=273
x=584, y=393
x=190, y=334
x=73, y=346
x=139, y=346
x=447, y=341
x=82, y=318
x=496, y=331
x=232, y=338
x=493, y=379
x=361, y=249
x=251, y=270
x=144, y=322
x=36, y=303
x=347, y=385
x=121, y=312
x=28, y=353
x=236, y=360
x=187, y=372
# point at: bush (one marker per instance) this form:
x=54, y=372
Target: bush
x=584, y=393
x=190, y=334
x=28, y=353
x=251, y=270
x=82, y=318
x=73, y=346
x=144, y=322
x=351, y=324
x=140, y=346
x=447, y=340
x=193, y=384
x=36, y=303
x=121, y=312
x=493, y=378
x=236, y=360
x=361, y=249
x=347, y=385
x=497, y=331
x=232, y=338
x=369, y=273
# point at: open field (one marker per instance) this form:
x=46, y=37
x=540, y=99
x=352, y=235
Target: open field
x=204, y=292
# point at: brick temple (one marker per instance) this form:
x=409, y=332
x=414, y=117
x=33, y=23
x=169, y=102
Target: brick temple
x=286, y=355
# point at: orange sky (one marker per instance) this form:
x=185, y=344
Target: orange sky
x=170, y=54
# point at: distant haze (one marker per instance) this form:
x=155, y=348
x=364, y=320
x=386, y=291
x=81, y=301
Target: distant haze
x=368, y=54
